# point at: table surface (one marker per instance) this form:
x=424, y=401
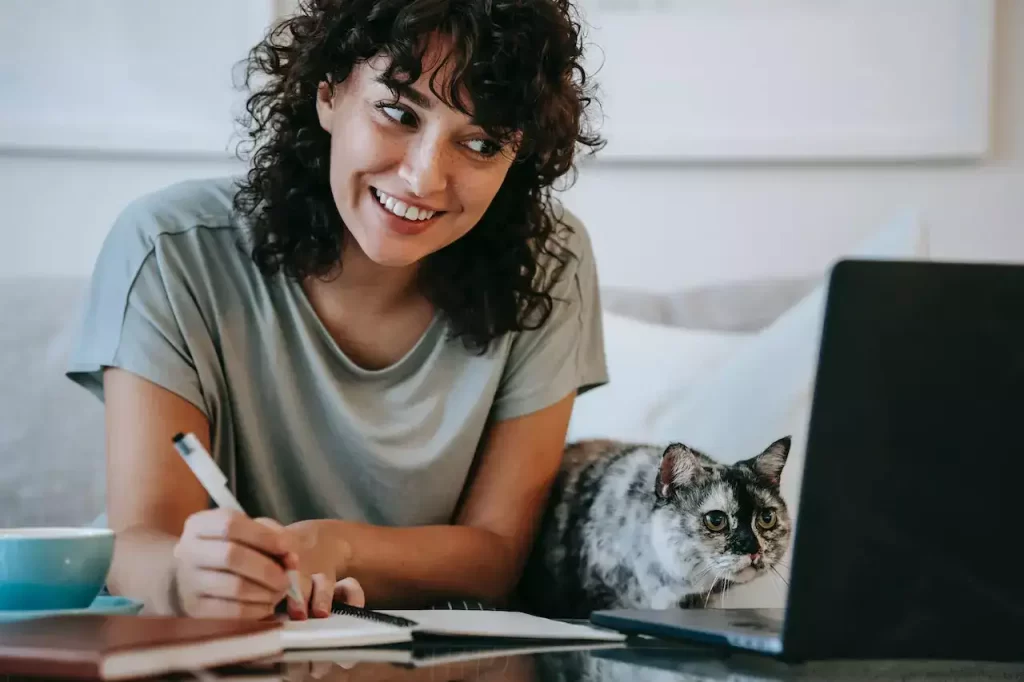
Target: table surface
x=640, y=660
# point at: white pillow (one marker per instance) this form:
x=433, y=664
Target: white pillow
x=645, y=361
x=763, y=391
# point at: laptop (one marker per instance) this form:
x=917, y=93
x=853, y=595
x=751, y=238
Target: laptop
x=911, y=511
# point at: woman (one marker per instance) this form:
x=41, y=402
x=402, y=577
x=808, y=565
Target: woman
x=378, y=333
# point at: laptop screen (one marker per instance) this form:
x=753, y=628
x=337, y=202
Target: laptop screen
x=912, y=503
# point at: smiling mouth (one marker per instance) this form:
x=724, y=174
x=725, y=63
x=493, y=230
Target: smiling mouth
x=402, y=210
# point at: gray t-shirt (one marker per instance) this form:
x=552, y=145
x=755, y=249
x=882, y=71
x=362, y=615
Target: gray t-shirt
x=299, y=429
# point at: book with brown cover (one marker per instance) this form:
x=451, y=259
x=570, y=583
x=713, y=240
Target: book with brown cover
x=115, y=647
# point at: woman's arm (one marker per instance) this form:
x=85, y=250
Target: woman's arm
x=482, y=555
x=148, y=496
x=152, y=495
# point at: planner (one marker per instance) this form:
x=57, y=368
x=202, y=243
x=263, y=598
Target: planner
x=116, y=647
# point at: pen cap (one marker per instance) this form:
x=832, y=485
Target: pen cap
x=200, y=462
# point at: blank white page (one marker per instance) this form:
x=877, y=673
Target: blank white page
x=501, y=624
x=338, y=631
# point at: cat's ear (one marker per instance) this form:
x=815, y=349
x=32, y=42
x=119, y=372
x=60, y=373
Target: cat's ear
x=679, y=467
x=768, y=465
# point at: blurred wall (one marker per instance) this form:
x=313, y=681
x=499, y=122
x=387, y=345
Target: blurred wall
x=659, y=226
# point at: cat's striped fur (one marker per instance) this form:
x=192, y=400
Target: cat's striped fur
x=628, y=526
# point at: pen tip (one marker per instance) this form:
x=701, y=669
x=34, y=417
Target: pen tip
x=178, y=437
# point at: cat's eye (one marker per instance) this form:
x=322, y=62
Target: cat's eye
x=716, y=521
x=767, y=519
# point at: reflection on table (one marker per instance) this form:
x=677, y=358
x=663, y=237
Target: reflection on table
x=642, y=660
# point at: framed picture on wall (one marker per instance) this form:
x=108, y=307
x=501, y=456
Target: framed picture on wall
x=123, y=76
x=696, y=80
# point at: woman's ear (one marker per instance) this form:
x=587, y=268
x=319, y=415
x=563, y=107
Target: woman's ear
x=325, y=105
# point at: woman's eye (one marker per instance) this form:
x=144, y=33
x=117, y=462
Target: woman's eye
x=767, y=519
x=484, y=147
x=716, y=521
x=397, y=114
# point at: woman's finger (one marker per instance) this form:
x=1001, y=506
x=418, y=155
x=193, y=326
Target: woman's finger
x=240, y=559
x=321, y=669
x=225, y=585
x=225, y=524
x=349, y=591
x=299, y=610
x=323, y=596
x=215, y=607
x=291, y=558
x=296, y=671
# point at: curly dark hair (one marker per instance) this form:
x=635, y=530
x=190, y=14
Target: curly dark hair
x=520, y=61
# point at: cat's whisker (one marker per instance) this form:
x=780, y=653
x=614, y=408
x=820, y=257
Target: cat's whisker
x=775, y=585
x=780, y=576
x=712, y=589
x=699, y=576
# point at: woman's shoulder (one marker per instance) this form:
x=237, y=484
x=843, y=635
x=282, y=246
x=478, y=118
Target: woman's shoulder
x=569, y=254
x=570, y=230
x=190, y=217
x=178, y=208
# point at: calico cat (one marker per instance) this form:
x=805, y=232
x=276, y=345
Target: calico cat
x=638, y=526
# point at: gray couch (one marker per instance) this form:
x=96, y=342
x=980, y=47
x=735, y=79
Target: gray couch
x=51, y=430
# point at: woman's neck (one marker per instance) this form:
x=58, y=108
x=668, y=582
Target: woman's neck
x=360, y=284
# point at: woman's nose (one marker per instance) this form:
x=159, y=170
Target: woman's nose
x=425, y=169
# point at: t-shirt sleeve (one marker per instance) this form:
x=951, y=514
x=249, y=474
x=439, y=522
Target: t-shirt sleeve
x=566, y=353
x=134, y=314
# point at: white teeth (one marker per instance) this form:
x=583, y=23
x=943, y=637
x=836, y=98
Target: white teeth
x=401, y=209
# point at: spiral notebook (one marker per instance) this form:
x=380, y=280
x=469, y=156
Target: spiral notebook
x=350, y=626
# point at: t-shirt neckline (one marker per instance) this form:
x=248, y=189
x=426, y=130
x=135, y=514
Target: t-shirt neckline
x=423, y=344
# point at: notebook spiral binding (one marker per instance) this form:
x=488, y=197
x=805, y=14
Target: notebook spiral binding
x=368, y=614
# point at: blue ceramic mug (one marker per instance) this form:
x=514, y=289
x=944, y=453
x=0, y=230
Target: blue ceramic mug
x=53, y=568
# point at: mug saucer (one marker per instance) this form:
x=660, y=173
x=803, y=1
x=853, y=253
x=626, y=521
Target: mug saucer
x=102, y=605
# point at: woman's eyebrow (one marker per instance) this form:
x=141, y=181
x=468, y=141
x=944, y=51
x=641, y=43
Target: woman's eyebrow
x=417, y=97
x=409, y=92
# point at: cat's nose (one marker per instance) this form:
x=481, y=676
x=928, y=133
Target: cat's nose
x=756, y=560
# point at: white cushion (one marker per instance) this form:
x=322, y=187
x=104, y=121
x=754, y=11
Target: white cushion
x=645, y=361
x=740, y=306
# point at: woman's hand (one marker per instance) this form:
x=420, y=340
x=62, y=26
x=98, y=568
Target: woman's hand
x=321, y=562
x=230, y=566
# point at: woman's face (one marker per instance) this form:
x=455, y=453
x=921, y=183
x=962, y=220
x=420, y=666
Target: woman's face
x=408, y=177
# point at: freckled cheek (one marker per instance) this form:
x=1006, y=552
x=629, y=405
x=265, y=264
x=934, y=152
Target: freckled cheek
x=475, y=198
x=476, y=188
x=355, y=152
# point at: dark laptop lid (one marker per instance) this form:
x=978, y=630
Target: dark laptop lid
x=911, y=516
